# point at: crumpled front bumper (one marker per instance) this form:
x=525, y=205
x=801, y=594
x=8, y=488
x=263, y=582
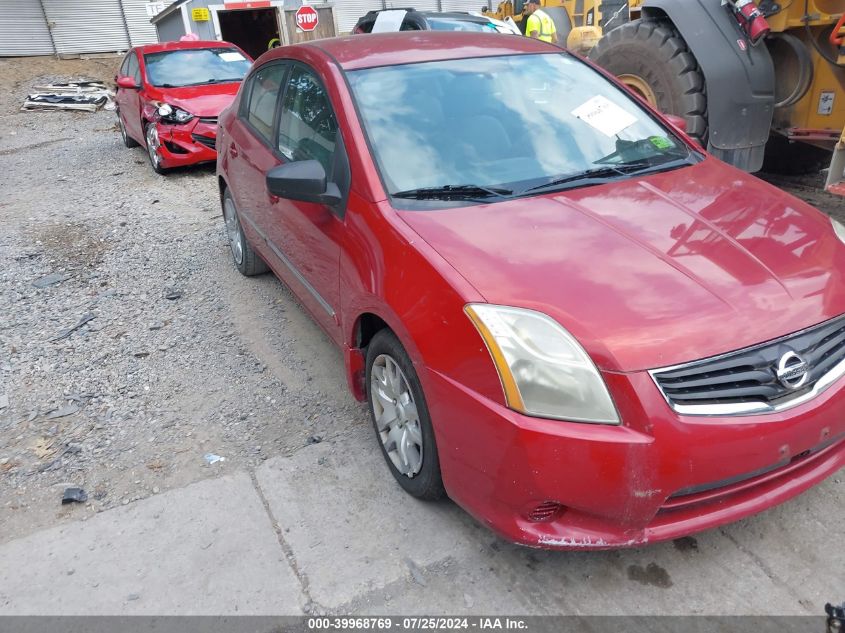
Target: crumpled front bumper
x=657, y=476
x=189, y=144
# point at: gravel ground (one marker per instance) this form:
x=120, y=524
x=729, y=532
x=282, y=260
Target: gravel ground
x=148, y=350
x=176, y=356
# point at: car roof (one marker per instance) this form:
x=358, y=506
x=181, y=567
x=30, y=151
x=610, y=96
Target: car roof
x=354, y=52
x=177, y=46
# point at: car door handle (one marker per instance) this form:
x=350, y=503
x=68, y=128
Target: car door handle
x=233, y=150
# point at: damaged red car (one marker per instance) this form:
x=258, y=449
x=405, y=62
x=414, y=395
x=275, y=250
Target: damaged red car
x=170, y=95
x=562, y=312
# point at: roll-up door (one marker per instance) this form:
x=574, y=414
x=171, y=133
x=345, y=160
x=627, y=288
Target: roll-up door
x=465, y=5
x=23, y=29
x=86, y=26
x=141, y=31
x=420, y=5
x=349, y=11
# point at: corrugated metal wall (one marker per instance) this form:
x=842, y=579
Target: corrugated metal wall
x=86, y=26
x=95, y=26
x=138, y=22
x=347, y=12
x=465, y=5
x=462, y=5
x=75, y=26
x=23, y=29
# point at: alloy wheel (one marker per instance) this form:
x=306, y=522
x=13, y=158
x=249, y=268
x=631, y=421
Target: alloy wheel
x=233, y=230
x=153, y=145
x=397, y=419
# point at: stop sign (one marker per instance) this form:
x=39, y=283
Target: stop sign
x=306, y=18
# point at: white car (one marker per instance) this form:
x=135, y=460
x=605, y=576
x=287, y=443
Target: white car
x=391, y=20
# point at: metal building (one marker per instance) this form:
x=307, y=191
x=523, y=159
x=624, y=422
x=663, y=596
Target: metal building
x=178, y=18
x=70, y=27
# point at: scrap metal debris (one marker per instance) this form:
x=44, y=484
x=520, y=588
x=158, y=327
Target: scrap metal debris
x=63, y=412
x=74, y=495
x=50, y=280
x=67, y=332
x=74, y=95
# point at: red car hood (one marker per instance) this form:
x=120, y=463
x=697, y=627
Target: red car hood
x=202, y=101
x=653, y=271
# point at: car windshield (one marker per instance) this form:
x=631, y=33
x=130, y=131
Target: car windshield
x=195, y=66
x=511, y=125
x=456, y=24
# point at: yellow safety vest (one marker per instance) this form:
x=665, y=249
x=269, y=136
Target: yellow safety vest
x=541, y=22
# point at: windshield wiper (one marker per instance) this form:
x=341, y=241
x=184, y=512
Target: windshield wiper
x=600, y=175
x=454, y=192
x=212, y=81
x=589, y=176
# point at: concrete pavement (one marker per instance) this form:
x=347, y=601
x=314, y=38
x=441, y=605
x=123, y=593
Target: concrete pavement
x=327, y=530
x=209, y=548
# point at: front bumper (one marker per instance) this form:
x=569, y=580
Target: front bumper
x=189, y=144
x=658, y=476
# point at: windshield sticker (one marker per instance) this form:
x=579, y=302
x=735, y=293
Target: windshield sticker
x=604, y=115
x=661, y=142
x=232, y=57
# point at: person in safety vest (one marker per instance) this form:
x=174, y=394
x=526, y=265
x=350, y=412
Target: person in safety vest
x=539, y=25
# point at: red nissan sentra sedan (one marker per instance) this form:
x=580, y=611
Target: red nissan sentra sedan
x=563, y=313
x=170, y=95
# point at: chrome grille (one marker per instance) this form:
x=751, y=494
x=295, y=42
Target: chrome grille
x=759, y=379
x=211, y=120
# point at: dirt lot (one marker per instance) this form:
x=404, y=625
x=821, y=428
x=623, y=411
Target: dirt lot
x=178, y=356
x=183, y=357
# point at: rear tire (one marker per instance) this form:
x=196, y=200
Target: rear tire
x=246, y=260
x=420, y=479
x=653, y=58
x=128, y=141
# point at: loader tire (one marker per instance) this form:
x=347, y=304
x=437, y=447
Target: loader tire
x=652, y=58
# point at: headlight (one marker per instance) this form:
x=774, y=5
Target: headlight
x=170, y=114
x=839, y=229
x=544, y=371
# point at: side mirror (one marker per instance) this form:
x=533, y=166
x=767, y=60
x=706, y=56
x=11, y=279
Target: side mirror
x=677, y=122
x=124, y=81
x=303, y=180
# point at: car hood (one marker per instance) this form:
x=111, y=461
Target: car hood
x=653, y=271
x=201, y=101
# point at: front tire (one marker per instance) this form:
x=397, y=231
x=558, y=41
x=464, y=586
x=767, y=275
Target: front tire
x=400, y=418
x=153, y=143
x=652, y=58
x=246, y=260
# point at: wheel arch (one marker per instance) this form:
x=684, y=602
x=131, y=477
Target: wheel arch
x=367, y=322
x=366, y=326
x=739, y=78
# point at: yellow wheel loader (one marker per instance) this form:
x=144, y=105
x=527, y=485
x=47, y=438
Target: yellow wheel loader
x=760, y=83
x=578, y=22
